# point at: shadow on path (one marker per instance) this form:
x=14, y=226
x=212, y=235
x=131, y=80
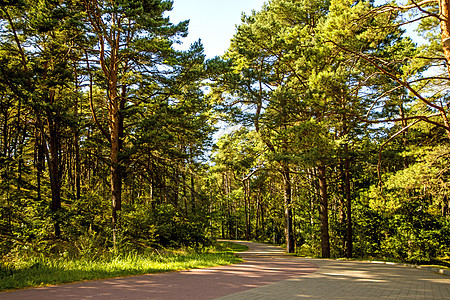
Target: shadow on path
x=351, y=280
x=267, y=273
x=264, y=264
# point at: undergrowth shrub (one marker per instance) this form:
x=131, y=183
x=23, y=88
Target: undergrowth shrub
x=163, y=226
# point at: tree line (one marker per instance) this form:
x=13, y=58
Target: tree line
x=341, y=144
x=98, y=107
x=343, y=129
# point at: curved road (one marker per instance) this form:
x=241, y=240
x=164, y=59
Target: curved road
x=267, y=273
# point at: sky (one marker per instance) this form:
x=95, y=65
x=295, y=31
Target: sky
x=212, y=21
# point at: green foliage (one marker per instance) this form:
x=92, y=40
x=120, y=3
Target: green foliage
x=403, y=220
x=368, y=232
x=55, y=160
x=230, y=247
x=308, y=78
x=163, y=226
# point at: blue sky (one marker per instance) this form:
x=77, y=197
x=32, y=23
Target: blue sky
x=213, y=21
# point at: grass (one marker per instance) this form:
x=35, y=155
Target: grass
x=230, y=247
x=440, y=263
x=50, y=271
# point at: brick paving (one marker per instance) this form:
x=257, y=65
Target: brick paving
x=354, y=280
x=258, y=270
x=267, y=273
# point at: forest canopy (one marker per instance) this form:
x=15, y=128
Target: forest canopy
x=337, y=143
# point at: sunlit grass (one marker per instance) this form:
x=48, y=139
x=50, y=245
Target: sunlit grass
x=50, y=271
x=436, y=266
x=230, y=247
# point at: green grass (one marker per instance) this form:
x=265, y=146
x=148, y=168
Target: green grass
x=440, y=263
x=436, y=266
x=50, y=271
x=230, y=247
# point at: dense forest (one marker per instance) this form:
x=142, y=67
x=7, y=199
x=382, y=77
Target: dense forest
x=337, y=129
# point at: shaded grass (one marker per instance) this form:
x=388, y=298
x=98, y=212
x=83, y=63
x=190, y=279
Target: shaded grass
x=440, y=263
x=50, y=271
x=230, y=247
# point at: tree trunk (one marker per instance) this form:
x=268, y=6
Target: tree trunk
x=247, y=233
x=229, y=207
x=116, y=176
x=77, y=166
x=261, y=209
x=448, y=208
x=77, y=146
x=116, y=188
x=186, y=208
x=445, y=207
x=176, y=175
x=258, y=213
x=53, y=159
x=222, y=219
x=325, y=238
x=348, y=198
x=444, y=7
x=343, y=205
x=54, y=172
x=193, y=206
x=347, y=193
x=40, y=164
x=288, y=210
x=116, y=106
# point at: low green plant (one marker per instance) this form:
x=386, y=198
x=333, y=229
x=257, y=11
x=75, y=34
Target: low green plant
x=228, y=247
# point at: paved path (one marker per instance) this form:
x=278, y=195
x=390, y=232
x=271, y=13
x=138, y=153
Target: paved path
x=259, y=269
x=267, y=274
x=354, y=280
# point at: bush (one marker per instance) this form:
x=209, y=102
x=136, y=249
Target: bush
x=163, y=226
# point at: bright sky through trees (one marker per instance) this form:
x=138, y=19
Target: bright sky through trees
x=213, y=21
